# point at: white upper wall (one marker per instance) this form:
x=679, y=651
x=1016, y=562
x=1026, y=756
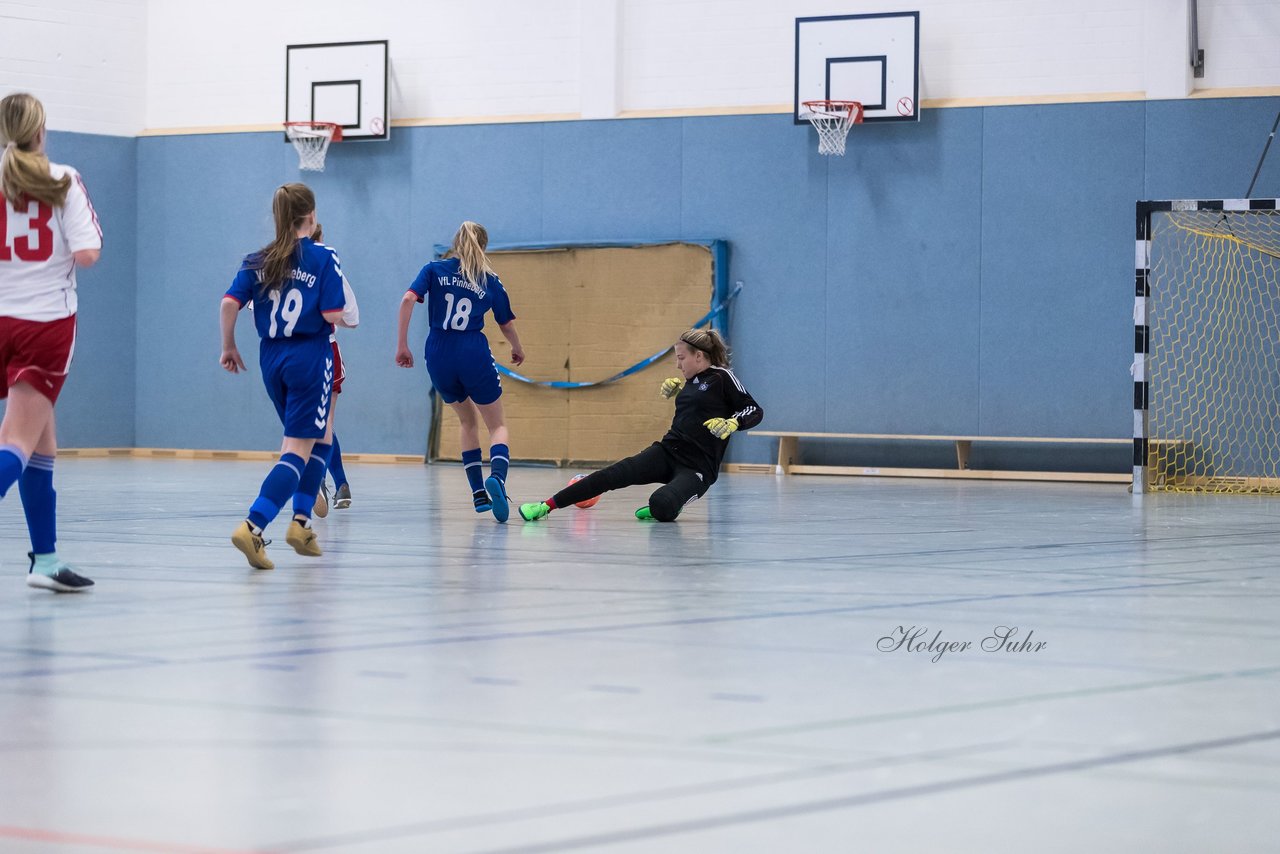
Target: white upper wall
x=223, y=63
x=1241, y=41
x=122, y=66
x=710, y=53
x=85, y=59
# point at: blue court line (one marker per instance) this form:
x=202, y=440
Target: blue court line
x=631, y=799
x=959, y=708
x=811, y=807
x=104, y=656
x=587, y=630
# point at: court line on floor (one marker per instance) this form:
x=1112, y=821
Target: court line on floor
x=587, y=630
x=631, y=799
x=743, y=740
x=1004, y=702
x=811, y=807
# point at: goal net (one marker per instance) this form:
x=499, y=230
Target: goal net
x=1210, y=324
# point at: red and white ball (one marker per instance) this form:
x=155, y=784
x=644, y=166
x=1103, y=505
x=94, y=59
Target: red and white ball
x=590, y=502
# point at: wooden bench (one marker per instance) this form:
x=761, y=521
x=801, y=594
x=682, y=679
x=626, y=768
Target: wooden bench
x=788, y=445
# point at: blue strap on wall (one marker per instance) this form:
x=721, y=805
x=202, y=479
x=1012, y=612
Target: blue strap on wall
x=716, y=310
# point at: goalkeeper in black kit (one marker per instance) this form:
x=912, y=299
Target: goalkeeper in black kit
x=711, y=405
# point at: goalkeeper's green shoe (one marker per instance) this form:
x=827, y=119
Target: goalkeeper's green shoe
x=643, y=513
x=533, y=511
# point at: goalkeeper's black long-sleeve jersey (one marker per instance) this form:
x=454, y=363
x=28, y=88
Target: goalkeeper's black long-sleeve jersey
x=714, y=393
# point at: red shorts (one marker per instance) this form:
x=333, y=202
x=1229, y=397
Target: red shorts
x=339, y=371
x=37, y=353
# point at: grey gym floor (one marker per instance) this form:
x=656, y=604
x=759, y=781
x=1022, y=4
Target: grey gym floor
x=438, y=682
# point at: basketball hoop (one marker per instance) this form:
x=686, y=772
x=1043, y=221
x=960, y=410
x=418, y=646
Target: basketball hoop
x=311, y=141
x=832, y=120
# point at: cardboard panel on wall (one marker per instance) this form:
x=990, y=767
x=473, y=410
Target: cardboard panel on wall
x=584, y=314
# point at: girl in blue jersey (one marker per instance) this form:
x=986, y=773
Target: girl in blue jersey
x=459, y=289
x=295, y=286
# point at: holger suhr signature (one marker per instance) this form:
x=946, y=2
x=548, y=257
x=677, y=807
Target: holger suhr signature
x=918, y=639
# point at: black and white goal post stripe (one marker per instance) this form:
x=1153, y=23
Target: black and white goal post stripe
x=1141, y=319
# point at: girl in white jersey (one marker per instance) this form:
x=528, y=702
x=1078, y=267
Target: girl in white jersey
x=47, y=229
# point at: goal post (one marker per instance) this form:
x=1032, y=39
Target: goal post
x=1206, y=365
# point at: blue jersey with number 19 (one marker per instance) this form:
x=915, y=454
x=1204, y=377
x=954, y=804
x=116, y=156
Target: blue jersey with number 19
x=455, y=304
x=295, y=310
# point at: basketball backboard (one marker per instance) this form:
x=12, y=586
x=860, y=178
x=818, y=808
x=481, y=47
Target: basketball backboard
x=344, y=83
x=874, y=59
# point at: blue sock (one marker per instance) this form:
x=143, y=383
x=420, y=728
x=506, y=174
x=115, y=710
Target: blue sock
x=39, y=503
x=499, y=459
x=12, y=462
x=335, y=463
x=281, y=482
x=475, y=469
x=309, y=484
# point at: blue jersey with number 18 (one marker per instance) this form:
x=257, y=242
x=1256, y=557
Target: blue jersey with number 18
x=455, y=304
x=295, y=310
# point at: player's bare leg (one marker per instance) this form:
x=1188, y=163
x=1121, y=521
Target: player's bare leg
x=27, y=413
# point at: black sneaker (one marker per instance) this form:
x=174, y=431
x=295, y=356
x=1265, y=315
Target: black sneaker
x=63, y=580
x=342, y=497
x=480, y=499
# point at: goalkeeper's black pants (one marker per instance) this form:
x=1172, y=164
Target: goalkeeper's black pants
x=652, y=465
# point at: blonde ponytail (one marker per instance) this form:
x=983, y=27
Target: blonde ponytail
x=24, y=169
x=469, y=244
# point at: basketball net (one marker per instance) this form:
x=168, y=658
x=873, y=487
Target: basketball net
x=311, y=141
x=832, y=120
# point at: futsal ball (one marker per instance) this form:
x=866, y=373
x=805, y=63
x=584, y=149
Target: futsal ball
x=590, y=502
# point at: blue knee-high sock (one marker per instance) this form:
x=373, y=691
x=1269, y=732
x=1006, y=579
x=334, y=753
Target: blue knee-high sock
x=309, y=484
x=335, y=463
x=281, y=482
x=12, y=462
x=499, y=459
x=40, y=503
x=474, y=468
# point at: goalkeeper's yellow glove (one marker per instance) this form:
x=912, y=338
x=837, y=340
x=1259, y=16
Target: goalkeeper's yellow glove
x=671, y=387
x=721, y=428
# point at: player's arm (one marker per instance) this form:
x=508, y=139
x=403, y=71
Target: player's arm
x=230, y=359
x=80, y=224
x=513, y=338
x=351, y=313
x=332, y=290
x=745, y=413
x=404, y=356
x=506, y=319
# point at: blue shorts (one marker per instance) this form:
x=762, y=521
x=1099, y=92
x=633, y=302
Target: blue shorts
x=461, y=366
x=298, y=375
